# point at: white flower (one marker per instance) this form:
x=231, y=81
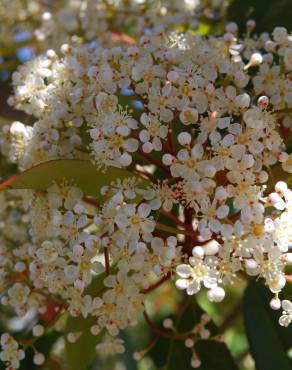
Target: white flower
x=10, y=353
x=195, y=274
x=286, y=317
x=18, y=294
x=189, y=116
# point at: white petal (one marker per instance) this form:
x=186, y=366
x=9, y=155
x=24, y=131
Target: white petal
x=184, y=270
x=193, y=288
x=181, y=284
x=285, y=320
x=287, y=305
x=144, y=210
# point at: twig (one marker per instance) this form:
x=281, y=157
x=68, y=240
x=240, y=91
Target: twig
x=161, y=333
x=154, y=161
x=106, y=261
x=157, y=284
x=174, y=218
x=92, y=202
x=173, y=230
x=140, y=170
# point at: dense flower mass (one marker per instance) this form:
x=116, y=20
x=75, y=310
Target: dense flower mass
x=201, y=121
x=54, y=22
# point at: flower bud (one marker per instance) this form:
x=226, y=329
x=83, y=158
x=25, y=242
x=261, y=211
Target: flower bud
x=38, y=331
x=137, y=356
x=216, y=294
x=168, y=323
x=189, y=343
x=38, y=359
x=275, y=304
x=251, y=264
x=281, y=187
x=167, y=159
x=20, y=266
x=211, y=248
x=288, y=258
x=263, y=102
x=250, y=24
x=231, y=27
x=255, y=60
x=195, y=362
x=95, y=330
x=205, y=333
x=198, y=252
x=242, y=101
x=184, y=138
x=147, y=147
x=73, y=337
x=65, y=49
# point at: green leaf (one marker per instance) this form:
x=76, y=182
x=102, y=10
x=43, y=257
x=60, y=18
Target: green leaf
x=82, y=173
x=127, y=357
x=44, y=344
x=268, y=341
x=82, y=353
x=213, y=354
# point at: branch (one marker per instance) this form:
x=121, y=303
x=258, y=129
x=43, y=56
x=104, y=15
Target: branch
x=154, y=161
x=106, y=260
x=161, y=333
x=156, y=285
x=173, y=230
x=92, y=202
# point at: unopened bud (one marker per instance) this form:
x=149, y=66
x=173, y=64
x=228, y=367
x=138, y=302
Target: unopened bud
x=189, y=343
x=255, y=60
x=168, y=323
x=275, y=304
x=250, y=24
x=263, y=102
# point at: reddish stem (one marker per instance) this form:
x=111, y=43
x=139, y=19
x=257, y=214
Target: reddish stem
x=141, y=171
x=189, y=239
x=106, y=260
x=154, y=161
x=157, y=284
x=122, y=37
x=174, y=218
x=92, y=202
x=161, y=333
x=171, y=141
x=167, y=147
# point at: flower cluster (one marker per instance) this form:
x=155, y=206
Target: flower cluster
x=10, y=354
x=55, y=22
x=100, y=20
x=202, y=124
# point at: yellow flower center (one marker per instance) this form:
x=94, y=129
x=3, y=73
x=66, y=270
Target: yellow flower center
x=135, y=220
x=258, y=230
x=116, y=141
